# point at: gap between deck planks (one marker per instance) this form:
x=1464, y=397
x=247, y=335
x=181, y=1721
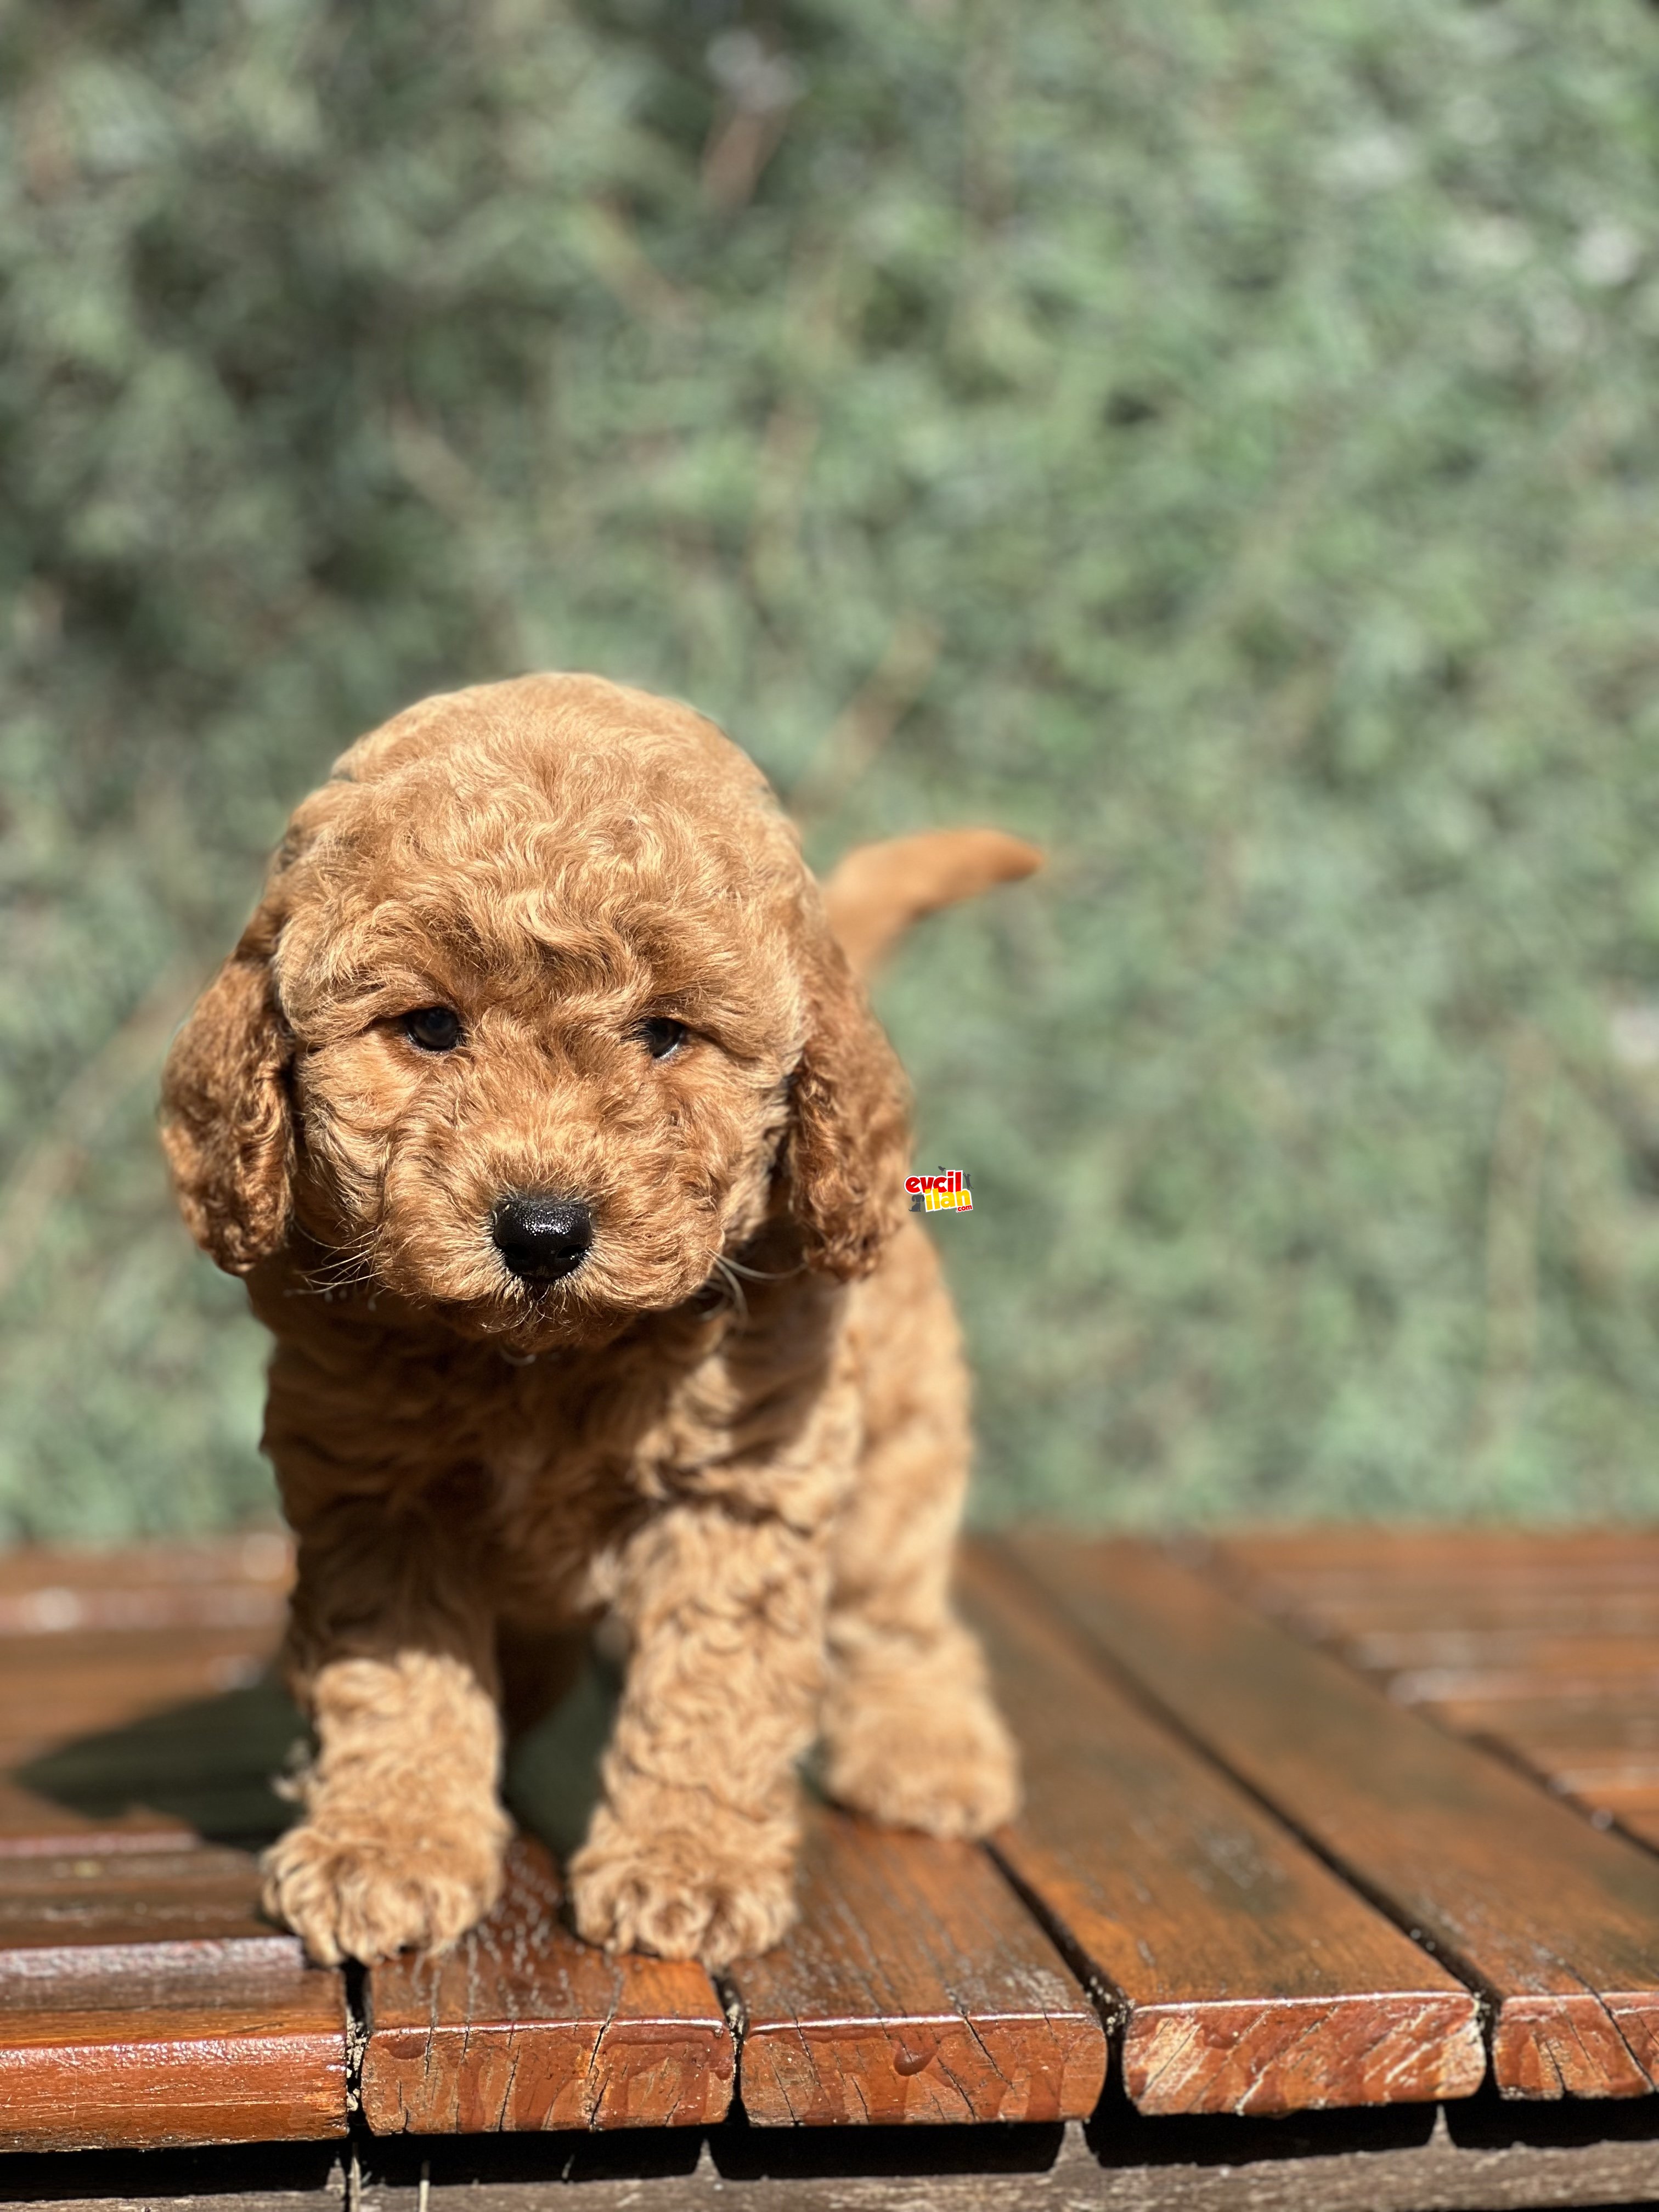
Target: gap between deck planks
x=145, y=2003
x=914, y=1986
x=523, y=2026
x=144, y=2000
x=1558, y=1923
x=1250, y=1979
x=1246, y=1977
x=1544, y=1647
x=955, y=2010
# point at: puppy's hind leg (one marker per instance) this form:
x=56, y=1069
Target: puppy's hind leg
x=911, y=1734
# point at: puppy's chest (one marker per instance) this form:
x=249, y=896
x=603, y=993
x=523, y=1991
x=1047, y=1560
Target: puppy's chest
x=579, y=1453
x=588, y=1454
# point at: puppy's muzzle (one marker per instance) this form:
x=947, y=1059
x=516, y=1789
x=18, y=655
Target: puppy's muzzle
x=542, y=1239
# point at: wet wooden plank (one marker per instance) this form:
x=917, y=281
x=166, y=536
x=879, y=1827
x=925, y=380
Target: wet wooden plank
x=1603, y=1783
x=939, y=2072
x=146, y=2047
x=523, y=2026
x=1641, y=1822
x=1592, y=1669
x=1619, y=1727
x=1550, y=1655
x=145, y=2001
x=256, y=1555
x=1249, y=1978
x=915, y=1987
x=1412, y=1605
x=1443, y=1687
x=1559, y=1923
x=136, y=1710
x=1365, y=1551
x=1552, y=1662
x=95, y=1660
x=1467, y=1614
x=33, y=1826
x=1616, y=1796
x=151, y=1608
x=201, y=1767
x=74, y=1899
x=93, y=1639
x=60, y=1692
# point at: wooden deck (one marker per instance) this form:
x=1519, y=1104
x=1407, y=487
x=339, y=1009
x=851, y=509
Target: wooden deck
x=1343, y=1822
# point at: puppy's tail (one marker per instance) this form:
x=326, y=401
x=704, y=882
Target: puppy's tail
x=876, y=891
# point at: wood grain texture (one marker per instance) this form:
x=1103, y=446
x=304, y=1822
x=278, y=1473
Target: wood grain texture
x=1551, y=1660
x=134, y=1714
x=144, y=2001
x=1594, y=1669
x=33, y=1824
x=261, y=1559
x=168, y=2046
x=913, y=1987
x=1558, y=1924
x=523, y=2026
x=1366, y=1551
x=78, y=1902
x=1641, y=1822
x=1251, y=1980
x=203, y=1767
x=91, y=1640
x=125, y=1668
x=1615, y=1730
x=1480, y=1605
x=1467, y=1615
x=60, y=1609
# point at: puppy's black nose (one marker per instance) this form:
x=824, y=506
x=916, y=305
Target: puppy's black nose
x=542, y=1239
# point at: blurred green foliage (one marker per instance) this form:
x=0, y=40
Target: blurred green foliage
x=1218, y=441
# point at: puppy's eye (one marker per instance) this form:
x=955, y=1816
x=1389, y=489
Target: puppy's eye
x=661, y=1038
x=434, y=1029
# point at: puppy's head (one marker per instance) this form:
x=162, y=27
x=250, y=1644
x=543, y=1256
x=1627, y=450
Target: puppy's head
x=538, y=1019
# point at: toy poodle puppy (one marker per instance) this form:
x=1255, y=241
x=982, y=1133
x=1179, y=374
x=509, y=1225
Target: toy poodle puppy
x=547, y=1120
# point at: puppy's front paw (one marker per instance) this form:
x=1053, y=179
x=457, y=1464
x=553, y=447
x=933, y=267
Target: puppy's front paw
x=681, y=1894
x=354, y=1889
x=921, y=1760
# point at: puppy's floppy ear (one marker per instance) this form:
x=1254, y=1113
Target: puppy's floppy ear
x=227, y=1123
x=849, y=1128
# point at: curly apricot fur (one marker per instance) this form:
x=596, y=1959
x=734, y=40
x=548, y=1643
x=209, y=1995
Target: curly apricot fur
x=740, y=1422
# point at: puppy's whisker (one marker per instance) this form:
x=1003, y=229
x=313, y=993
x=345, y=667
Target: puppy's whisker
x=757, y=1274
x=336, y=1287
x=347, y=1259
x=727, y=1275
x=322, y=1281
x=343, y=1267
x=352, y=1248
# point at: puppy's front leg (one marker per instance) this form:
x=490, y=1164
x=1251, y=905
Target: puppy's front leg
x=389, y=1650
x=691, y=1853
